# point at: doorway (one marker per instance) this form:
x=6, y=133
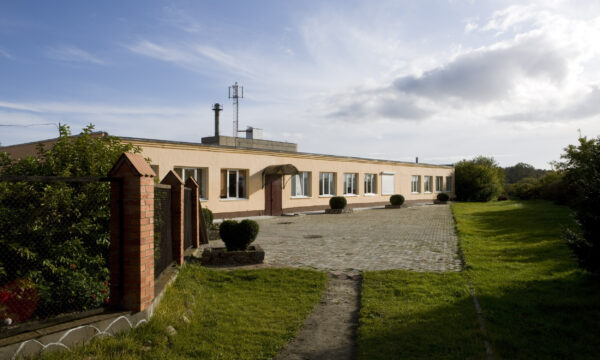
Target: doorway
x=273, y=195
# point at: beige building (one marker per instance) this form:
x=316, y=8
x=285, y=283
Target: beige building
x=249, y=176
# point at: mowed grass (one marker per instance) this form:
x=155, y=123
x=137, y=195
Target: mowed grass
x=410, y=315
x=242, y=314
x=537, y=303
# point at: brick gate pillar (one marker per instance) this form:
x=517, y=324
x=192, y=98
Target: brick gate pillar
x=131, y=233
x=176, y=214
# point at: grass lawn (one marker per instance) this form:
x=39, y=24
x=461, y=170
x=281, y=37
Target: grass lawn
x=242, y=314
x=410, y=315
x=537, y=303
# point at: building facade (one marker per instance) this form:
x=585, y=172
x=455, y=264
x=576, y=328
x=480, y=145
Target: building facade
x=247, y=177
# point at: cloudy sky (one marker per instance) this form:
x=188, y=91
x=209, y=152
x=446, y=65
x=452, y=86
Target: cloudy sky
x=441, y=80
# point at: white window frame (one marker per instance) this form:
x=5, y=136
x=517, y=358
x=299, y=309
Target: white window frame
x=350, y=180
x=439, y=183
x=384, y=176
x=415, y=184
x=186, y=171
x=427, y=184
x=370, y=184
x=237, y=186
x=448, y=183
x=327, y=178
x=301, y=185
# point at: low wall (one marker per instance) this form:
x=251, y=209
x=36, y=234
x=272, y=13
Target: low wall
x=67, y=335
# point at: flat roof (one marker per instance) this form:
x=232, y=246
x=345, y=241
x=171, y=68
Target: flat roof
x=276, y=151
x=103, y=133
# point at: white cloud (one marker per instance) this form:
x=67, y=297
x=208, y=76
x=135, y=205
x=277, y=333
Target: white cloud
x=491, y=73
x=73, y=54
x=197, y=57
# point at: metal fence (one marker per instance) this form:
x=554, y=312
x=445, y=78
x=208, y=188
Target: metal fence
x=187, y=217
x=163, y=241
x=54, y=241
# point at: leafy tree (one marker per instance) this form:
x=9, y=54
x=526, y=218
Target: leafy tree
x=480, y=179
x=582, y=171
x=521, y=171
x=55, y=235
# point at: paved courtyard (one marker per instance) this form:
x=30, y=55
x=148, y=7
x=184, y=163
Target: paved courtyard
x=420, y=238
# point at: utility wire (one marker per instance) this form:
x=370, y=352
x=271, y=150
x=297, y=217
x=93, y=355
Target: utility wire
x=29, y=125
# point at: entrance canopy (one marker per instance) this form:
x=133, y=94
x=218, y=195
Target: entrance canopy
x=286, y=169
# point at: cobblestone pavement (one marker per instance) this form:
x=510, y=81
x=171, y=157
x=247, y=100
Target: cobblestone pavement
x=420, y=238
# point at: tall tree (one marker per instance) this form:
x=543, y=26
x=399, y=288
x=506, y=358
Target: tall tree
x=582, y=171
x=480, y=179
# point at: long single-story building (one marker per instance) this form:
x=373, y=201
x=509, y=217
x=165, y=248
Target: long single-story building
x=250, y=176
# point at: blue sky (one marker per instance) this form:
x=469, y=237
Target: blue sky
x=442, y=80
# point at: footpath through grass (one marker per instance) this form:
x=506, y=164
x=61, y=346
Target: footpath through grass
x=242, y=314
x=537, y=303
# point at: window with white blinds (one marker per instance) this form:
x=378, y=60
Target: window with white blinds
x=387, y=184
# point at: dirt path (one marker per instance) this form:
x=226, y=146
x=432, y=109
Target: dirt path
x=329, y=332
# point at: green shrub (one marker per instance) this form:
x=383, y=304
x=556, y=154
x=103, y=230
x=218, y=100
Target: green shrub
x=397, y=200
x=551, y=186
x=443, y=197
x=238, y=236
x=227, y=230
x=56, y=235
x=480, y=179
x=526, y=189
x=585, y=251
x=208, y=217
x=338, y=202
x=581, y=171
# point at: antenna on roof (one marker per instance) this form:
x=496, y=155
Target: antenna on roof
x=236, y=92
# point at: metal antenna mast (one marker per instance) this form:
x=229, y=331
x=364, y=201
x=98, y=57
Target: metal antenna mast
x=236, y=92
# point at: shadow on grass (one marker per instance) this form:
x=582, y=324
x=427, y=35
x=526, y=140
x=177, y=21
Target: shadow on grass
x=557, y=318
x=446, y=332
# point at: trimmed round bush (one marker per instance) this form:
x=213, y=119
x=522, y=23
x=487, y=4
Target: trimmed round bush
x=227, y=231
x=208, y=216
x=247, y=231
x=443, y=197
x=238, y=236
x=397, y=200
x=337, y=202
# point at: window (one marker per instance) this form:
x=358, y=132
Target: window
x=370, y=184
x=301, y=185
x=448, y=183
x=387, y=184
x=326, y=184
x=234, y=184
x=198, y=174
x=439, y=183
x=415, y=185
x=350, y=187
x=427, y=183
